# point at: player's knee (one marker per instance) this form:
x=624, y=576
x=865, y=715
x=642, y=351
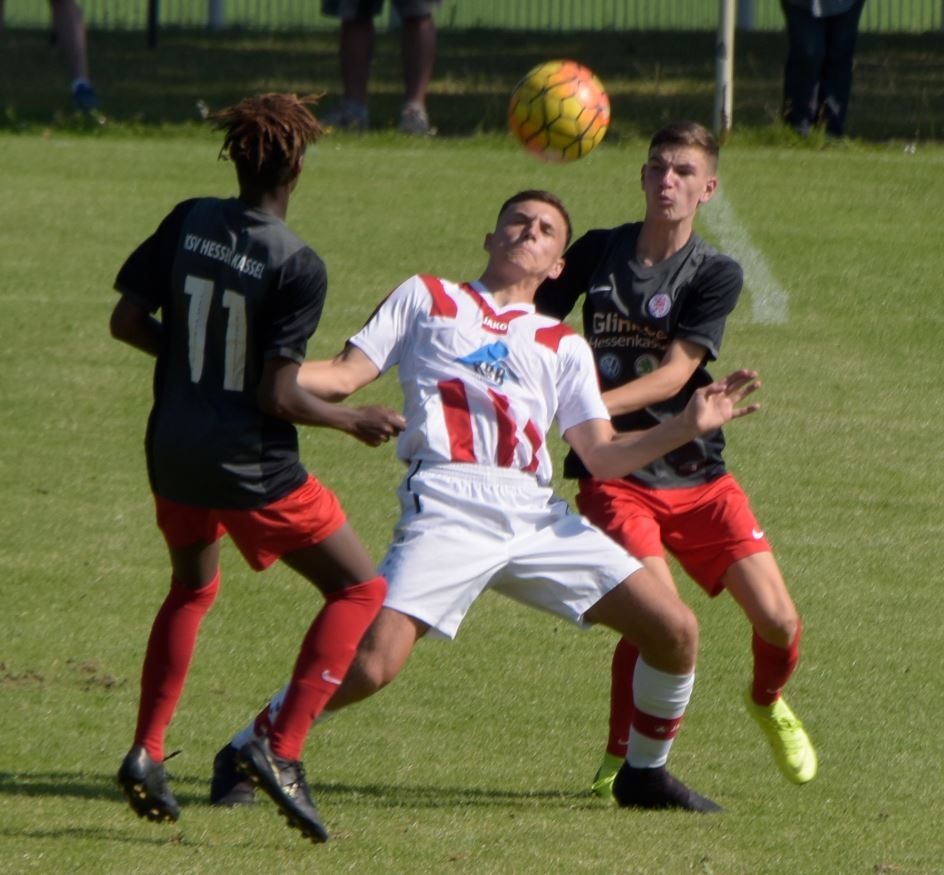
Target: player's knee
x=675, y=647
x=685, y=636
x=780, y=629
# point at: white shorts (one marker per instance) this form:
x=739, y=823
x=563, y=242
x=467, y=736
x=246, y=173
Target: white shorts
x=466, y=528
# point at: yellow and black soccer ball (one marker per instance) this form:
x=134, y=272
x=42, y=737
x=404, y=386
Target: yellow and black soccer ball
x=559, y=111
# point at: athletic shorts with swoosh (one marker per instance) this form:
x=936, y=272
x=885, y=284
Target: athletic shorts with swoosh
x=707, y=527
x=467, y=528
x=304, y=517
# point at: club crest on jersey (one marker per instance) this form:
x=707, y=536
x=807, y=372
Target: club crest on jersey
x=659, y=305
x=610, y=367
x=489, y=362
x=646, y=364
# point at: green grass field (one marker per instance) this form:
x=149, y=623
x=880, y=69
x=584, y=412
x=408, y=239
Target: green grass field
x=478, y=759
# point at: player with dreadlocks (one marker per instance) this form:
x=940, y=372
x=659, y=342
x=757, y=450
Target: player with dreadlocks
x=239, y=295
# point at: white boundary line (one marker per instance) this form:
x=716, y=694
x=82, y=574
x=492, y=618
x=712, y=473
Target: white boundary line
x=769, y=299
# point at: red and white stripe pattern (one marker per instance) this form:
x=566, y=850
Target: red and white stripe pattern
x=481, y=384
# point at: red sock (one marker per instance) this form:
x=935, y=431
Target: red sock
x=772, y=667
x=621, y=697
x=325, y=656
x=167, y=660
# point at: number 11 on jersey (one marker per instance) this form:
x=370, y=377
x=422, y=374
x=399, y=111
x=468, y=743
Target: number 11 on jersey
x=200, y=292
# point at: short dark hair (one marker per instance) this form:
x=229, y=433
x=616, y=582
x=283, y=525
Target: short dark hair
x=687, y=133
x=539, y=194
x=267, y=135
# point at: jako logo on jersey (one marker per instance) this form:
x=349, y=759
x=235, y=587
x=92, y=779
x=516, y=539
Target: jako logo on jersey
x=489, y=362
x=609, y=366
x=659, y=305
x=496, y=326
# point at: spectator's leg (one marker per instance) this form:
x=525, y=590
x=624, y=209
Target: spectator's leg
x=357, y=52
x=69, y=27
x=803, y=67
x=418, y=45
x=840, y=34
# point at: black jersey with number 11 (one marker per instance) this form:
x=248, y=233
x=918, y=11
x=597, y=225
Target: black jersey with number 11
x=234, y=287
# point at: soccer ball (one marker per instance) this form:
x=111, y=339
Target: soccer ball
x=559, y=111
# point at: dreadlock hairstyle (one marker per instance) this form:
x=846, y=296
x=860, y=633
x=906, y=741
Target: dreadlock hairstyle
x=266, y=136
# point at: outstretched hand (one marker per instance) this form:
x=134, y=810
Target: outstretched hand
x=375, y=425
x=715, y=405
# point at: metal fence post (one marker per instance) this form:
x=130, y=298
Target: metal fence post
x=724, y=70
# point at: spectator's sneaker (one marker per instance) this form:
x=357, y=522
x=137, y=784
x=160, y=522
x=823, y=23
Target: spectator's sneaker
x=414, y=120
x=656, y=788
x=602, y=785
x=144, y=783
x=84, y=98
x=284, y=781
x=348, y=117
x=229, y=785
x=793, y=751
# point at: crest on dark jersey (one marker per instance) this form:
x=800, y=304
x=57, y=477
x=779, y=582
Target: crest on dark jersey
x=659, y=305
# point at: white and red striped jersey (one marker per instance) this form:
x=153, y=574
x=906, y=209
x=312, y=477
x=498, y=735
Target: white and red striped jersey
x=481, y=384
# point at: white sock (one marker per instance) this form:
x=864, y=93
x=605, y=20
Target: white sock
x=660, y=700
x=249, y=732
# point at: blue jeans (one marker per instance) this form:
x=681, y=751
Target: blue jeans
x=817, y=78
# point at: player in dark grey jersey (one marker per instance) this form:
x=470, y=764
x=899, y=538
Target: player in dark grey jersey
x=631, y=313
x=656, y=297
x=239, y=295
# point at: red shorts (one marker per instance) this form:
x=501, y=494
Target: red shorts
x=707, y=528
x=304, y=517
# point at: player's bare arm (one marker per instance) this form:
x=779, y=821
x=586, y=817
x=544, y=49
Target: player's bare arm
x=680, y=361
x=335, y=379
x=608, y=454
x=281, y=395
x=133, y=324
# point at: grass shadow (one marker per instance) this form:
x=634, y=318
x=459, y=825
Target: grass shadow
x=84, y=785
x=191, y=792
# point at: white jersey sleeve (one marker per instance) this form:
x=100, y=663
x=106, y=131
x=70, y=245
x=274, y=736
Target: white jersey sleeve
x=388, y=330
x=578, y=388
